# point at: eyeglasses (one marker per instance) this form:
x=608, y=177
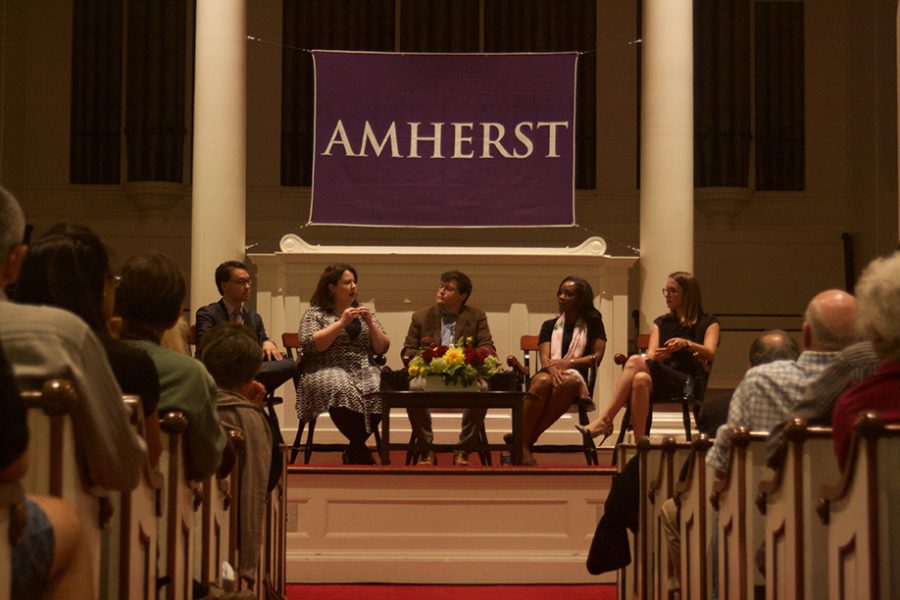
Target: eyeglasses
x=671, y=291
x=241, y=282
x=447, y=288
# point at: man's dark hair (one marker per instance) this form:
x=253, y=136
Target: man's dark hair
x=68, y=270
x=231, y=355
x=151, y=290
x=773, y=345
x=462, y=282
x=224, y=271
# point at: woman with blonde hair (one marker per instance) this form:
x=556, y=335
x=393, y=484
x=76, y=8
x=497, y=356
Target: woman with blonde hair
x=682, y=342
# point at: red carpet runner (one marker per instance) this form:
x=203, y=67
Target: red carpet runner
x=450, y=592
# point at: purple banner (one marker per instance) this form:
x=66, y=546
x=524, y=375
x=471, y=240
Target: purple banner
x=438, y=140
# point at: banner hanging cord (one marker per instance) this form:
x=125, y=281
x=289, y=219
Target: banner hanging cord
x=258, y=40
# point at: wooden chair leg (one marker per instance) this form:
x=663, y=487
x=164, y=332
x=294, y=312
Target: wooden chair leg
x=295, y=447
x=484, y=451
x=411, y=451
x=590, y=450
x=307, y=454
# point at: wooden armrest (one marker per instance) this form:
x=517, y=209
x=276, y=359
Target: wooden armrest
x=868, y=425
x=56, y=397
x=173, y=421
x=516, y=365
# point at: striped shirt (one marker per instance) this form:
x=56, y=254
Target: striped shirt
x=765, y=397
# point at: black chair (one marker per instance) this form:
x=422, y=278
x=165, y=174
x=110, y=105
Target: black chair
x=529, y=346
x=689, y=399
x=291, y=343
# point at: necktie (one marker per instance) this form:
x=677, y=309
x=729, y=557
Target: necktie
x=237, y=316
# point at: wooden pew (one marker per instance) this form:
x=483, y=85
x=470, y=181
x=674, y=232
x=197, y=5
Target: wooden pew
x=273, y=572
x=660, y=487
x=796, y=540
x=132, y=562
x=691, y=496
x=627, y=576
x=55, y=463
x=182, y=498
x=215, y=528
x=739, y=525
x=861, y=515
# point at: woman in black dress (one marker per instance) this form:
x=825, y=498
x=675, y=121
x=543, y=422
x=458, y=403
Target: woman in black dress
x=682, y=341
x=568, y=345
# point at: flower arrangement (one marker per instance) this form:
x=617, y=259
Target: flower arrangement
x=460, y=364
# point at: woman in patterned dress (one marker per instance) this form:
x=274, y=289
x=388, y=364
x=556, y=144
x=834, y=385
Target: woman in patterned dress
x=338, y=339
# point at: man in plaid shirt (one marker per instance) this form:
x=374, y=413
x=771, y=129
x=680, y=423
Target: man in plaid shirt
x=768, y=393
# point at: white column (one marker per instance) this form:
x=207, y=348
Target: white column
x=220, y=140
x=667, y=149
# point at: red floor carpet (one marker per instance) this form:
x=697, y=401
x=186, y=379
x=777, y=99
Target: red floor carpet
x=450, y=592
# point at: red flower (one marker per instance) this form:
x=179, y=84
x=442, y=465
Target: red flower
x=474, y=357
x=440, y=351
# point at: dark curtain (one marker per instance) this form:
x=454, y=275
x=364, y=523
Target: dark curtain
x=780, y=130
x=721, y=93
x=554, y=26
x=439, y=26
x=155, y=92
x=320, y=24
x=96, y=111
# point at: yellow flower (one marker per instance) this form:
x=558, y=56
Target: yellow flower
x=454, y=356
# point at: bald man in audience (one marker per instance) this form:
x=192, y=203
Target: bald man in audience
x=769, y=392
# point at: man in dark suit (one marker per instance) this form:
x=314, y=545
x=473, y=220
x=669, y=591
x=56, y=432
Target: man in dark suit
x=233, y=282
x=448, y=321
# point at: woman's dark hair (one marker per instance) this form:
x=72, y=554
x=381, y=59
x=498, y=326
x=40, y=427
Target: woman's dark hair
x=231, y=354
x=151, y=291
x=584, y=295
x=691, y=300
x=67, y=268
x=323, y=297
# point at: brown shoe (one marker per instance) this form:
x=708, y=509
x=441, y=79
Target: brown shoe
x=460, y=459
x=427, y=458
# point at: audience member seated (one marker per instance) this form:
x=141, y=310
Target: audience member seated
x=44, y=342
x=338, y=338
x=681, y=342
x=568, y=345
x=149, y=298
x=70, y=268
x=854, y=363
x=50, y=558
x=878, y=321
x=767, y=393
x=233, y=283
x=232, y=355
x=450, y=319
x=769, y=347
x=176, y=337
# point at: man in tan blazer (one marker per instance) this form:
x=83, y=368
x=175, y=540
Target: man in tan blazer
x=449, y=320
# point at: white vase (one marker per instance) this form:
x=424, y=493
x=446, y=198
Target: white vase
x=436, y=383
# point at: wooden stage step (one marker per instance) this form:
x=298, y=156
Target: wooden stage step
x=443, y=524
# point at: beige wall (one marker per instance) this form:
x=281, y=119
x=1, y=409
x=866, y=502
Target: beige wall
x=770, y=256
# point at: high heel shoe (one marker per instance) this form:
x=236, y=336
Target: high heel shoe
x=605, y=432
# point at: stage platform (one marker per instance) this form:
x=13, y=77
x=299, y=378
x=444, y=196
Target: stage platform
x=444, y=524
